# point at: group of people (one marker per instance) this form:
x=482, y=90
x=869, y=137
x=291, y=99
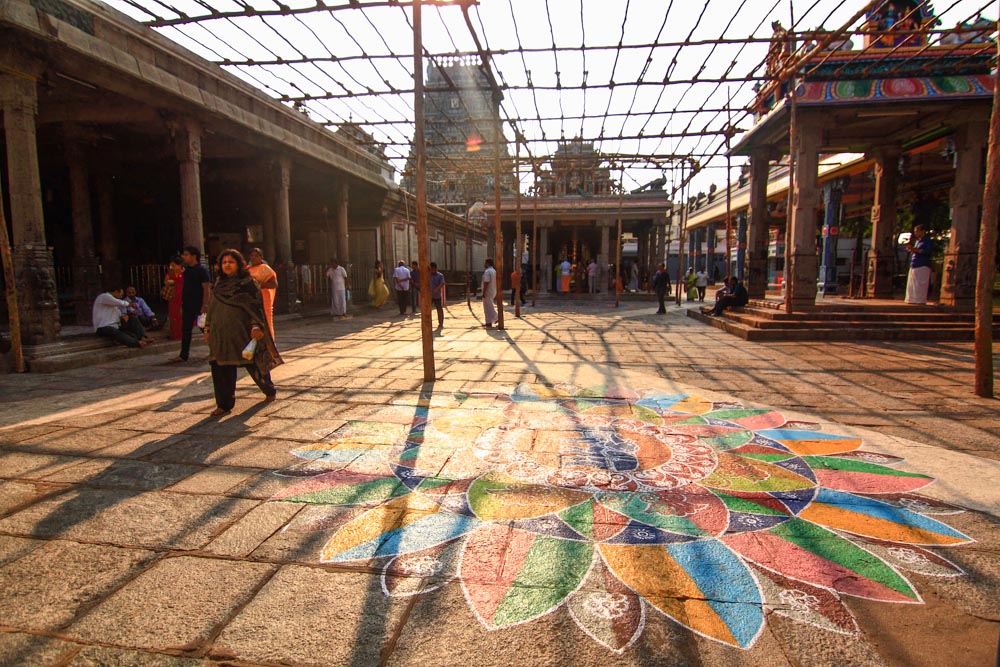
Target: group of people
x=406, y=282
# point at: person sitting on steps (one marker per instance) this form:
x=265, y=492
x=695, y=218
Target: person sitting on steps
x=736, y=297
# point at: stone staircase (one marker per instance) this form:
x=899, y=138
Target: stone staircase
x=842, y=319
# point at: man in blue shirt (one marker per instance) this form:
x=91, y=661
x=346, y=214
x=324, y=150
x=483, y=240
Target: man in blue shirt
x=194, y=297
x=437, y=292
x=919, y=279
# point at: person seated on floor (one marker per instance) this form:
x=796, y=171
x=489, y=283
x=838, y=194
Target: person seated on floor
x=140, y=309
x=736, y=297
x=109, y=321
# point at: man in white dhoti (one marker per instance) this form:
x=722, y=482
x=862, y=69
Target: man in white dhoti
x=489, y=293
x=919, y=279
x=337, y=275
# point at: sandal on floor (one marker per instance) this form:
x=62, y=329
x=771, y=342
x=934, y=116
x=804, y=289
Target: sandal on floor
x=218, y=412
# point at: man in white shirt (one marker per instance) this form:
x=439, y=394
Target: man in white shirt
x=401, y=281
x=110, y=323
x=565, y=270
x=701, y=283
x=306, y=280
x=489, y=293
x=592, y=271
x=337, y=275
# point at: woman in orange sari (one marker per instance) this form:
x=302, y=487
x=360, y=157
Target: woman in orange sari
x=267, y=281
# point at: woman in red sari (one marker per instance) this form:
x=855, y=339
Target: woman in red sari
x=173, y=285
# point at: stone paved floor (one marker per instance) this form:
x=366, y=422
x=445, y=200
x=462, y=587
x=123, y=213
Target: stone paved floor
x=137, y=530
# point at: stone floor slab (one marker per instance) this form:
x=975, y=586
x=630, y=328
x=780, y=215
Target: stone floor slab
x=20, y=650
x=99, y=656
x=46, y=588
x=243, y=537
x=152, y=519
x=175, y=605
x=327, y=618
x=119, y=473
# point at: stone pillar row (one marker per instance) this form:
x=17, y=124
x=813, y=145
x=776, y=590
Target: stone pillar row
x=33, y=267
x=958, y=284
x=758, y=226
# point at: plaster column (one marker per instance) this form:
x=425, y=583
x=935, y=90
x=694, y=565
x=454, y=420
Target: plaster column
x=833, y=193
x=801, y=233
x=268, y=198
x=285, y=300
x=660, y=251
x=958, y=286
x=86, y=272
x=340, y=223
x=710, y=237
x=111, y=266
x=882, y=258
x=544, y=258
x=759, y=220
x=187, y=144
x=37, y=297
x=604, y=259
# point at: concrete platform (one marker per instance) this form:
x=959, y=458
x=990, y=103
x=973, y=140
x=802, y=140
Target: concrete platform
x=590, y=486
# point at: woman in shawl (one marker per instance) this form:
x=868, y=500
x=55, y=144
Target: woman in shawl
x=378, y=292
x=173, y=287
x=267, y=281
x=235, y=317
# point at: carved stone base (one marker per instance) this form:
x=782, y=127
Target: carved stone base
x=958, y=286
x=86, y=287
x=756, y=272
x=37, y=300
x=879, y=276
x=805, y=270
x=286, y=300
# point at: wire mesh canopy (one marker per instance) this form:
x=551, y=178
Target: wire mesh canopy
x=652, y=84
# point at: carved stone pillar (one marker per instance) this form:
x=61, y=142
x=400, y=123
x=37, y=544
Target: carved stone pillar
x=759, y=225
x=34, y=276
x=111, y=266
x=741, y=246
x=544, y=258
x=340, y=222
x=958, y=287
x=801, y=234
x=187, y=145
x=881, y=258
x=285, y=299
x=833, y=193
x=86, y=272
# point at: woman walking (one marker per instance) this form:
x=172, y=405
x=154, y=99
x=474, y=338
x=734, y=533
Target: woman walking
x=378, y=291
x=235, y=318
x=267, y=281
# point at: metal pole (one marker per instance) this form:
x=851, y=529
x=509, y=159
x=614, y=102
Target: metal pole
x=498, y=259
x=681, y=252
x=419, y=151
x=534, y=241
x=986, y=268
x=618, y=245
x=468, y=251
x=519, y=246
x=13, y=314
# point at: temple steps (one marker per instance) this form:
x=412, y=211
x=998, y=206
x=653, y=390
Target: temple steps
x=766, y=321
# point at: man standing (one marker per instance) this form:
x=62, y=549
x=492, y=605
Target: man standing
x=515, y=286
x=489, y=293
x=414, y=287
x=437, y=292
x=401, y=281
x=194, y=297
x=565, y=271
x=918, y=281
x=337, y=275
x=109, y=321
x=701, y=283
x=592, y=271
x=661, y=285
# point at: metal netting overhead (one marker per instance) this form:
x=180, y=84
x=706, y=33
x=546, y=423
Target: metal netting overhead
x=649, y=82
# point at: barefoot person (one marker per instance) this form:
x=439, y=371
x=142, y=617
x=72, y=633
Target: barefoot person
x=267, y=281
x=235, y=317
x=489, y=294
x=918, y=281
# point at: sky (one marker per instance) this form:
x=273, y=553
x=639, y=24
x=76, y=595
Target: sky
x=631, y=48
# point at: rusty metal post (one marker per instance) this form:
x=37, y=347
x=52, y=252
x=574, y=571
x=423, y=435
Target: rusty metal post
x=534, y=239
x=420, y=178
x=519, y=244
x=986, y=268
x=498, y=258
x=618, y=239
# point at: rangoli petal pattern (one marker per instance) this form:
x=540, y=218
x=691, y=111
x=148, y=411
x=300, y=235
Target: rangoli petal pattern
x=620, y=504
